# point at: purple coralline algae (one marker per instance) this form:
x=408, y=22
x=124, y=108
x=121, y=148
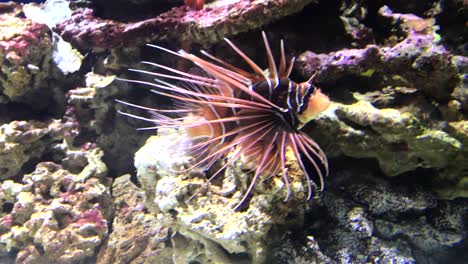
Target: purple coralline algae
x=417, y=61
x=210, y=25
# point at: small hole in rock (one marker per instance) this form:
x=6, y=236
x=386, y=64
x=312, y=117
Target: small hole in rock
x=7, y=207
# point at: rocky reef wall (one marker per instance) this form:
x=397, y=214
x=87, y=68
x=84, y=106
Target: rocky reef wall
x=79, y=183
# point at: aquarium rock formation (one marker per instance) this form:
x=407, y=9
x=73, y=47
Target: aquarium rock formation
x=217, y=20
x=209, y=220
x=392, y=122
x=26, y=50
x=80, y=184
x=55, y=215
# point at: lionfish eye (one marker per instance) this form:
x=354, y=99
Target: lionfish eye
x=257, y=113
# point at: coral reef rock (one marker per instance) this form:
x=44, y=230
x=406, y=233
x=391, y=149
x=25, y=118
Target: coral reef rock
x=398, y=108
x=55, y=216
x=363, y=218
x=209, y=218
x=387, y=222
x=25, y=52
x=398, y=140
x=131, y=214
x=205, y=26
x=395, y=134
x=21, y=141
x=91, y=108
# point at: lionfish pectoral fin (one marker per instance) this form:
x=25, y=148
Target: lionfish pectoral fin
x=308, y=162
x=259, y=170
x=283, y=166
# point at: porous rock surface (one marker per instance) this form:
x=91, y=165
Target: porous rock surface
x=54, y=215
x=209, y=219
x=25, y=52
x=365, y=219
x=401, y=116
x=21, y=141
x=147, y=242
x=217, y=20
x=395, y=71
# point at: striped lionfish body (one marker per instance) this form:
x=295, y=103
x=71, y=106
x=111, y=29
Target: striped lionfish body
x=258, y=113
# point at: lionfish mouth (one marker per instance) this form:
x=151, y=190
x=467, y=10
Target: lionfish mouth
x=258, y=113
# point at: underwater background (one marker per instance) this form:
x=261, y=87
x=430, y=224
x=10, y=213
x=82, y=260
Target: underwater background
x=80, y=183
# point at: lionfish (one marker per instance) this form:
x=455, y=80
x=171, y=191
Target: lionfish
x=223, y=107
